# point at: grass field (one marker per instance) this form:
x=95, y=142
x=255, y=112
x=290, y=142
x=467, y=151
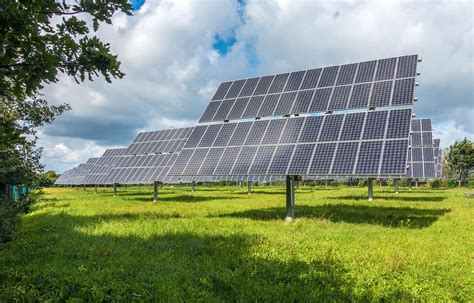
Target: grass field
x=220, y=244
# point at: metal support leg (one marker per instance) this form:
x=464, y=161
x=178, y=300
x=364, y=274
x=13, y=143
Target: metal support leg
x=395, y=183
x=95, y=188
x=193, y=184
x=84, y=187
x=290, y=198
x=115, y=189
x=155, y=191
x=240, y=184
x=249, y=187
x=371, y=189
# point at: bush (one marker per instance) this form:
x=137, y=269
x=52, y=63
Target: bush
x=435, y=183
x=450, y=183
x=9, y=211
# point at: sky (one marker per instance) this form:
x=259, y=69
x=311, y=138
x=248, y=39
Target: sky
x=175, y=54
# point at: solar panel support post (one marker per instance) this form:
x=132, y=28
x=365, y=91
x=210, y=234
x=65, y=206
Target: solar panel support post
x=395, y=184
x=290, y=198
x=193, y=184
x=240, y=184
x=371, y=188
x=95, y=188
x=249, y=187
x=115, y=189
x=155, y=191
x=84, y=187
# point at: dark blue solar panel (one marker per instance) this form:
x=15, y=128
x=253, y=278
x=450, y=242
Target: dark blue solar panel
x=416, y=139
x=346, y=74
x=403, y=91
x=344, y=160
x=196, y=160
x=262, y=160
x=302, y=102
x=340, y=98
x=386, y=69
x=249, y=87
x=407, y=66
x=301, y=159
x=196, y=136
x=278, y=83
x=322, y=159
x=227, y=160
x=352, y=127
x=182, y=161
x=240, y=133
x=369, y=157
x=222, y=90
x=244, y=160
x=328, y=77
x=366, y=71
x=256, y=132
x=417, y=154
x=311, y=78
x=381, y=94
x=428, y=154
x=209, y=165
x=252, y=107
x=210, y=135
x=210, y=111
x=360, y=95
x=399, y=124
x=223, y=110
x=429, y=170
x=268, y=106
x=235, y=89
x=427, y=138
x=238, y=108
x=274, y=130
x=285, y=103
x=263, y=85
x=294, y=81
x=331, y=127
x=292, y=131
x=320, y=100
x=394, y=155
x=310, y=130
x=375, y=125
x=426, y=125
x=281, y=159
x=416, y=125
x=225, y=134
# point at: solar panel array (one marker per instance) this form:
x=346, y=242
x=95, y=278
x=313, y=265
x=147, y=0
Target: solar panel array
x=76, y=175
x=377, y=83
x=365, y=144
x=103, y=166
x=421, y=160
x=438, y=158
x=150, y=157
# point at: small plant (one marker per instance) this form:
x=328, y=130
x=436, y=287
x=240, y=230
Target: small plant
x=435, y=183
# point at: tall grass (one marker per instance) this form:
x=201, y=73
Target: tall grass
x=221, y=244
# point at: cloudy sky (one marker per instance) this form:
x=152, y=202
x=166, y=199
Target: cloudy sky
x=175, y=53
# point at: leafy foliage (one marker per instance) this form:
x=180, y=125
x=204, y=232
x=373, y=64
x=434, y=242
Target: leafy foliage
x=460, y=160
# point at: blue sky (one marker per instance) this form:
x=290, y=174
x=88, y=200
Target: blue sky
x=175, y=53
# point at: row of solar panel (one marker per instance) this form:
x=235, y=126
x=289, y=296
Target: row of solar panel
x=378, y=94
x=337, y=127
x=114, y=152
x=344, y=158
x=166, y=146
x=422, y=170
x=160, y=135
x=377, y=70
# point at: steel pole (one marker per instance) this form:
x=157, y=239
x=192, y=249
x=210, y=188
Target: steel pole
x=155, y=191
x=371, y=189
x=395, y=183
x=115, y=189
x=193, y=184
x=249, y=187
x=290, y=198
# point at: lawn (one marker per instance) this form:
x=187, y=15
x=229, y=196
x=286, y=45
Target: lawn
x=221, y=244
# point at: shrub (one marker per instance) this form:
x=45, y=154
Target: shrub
x=9, y=211
x=435, y=183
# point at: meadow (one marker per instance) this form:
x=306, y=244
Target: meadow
x=221, y=244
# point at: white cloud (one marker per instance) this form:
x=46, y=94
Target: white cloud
x=172, y=70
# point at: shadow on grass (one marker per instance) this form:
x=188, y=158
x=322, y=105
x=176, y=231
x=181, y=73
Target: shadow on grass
x=170, y=266
x=399, y=197
x=386, y=216
x=179, y=198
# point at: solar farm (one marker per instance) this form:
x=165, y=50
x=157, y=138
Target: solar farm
x=300, y=186
x=351, y=121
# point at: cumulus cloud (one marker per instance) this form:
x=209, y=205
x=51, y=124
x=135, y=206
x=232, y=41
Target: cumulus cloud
x=172, y=67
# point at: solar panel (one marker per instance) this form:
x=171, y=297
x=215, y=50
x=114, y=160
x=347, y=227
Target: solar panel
x=438, y=155
x=373, y=143
x=378, y=83
x=421, y=164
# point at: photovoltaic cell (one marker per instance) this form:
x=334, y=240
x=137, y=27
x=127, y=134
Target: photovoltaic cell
x=256, y=132
x=360, y=96
x=394, y=155
x=263, y=85
x=311, y=78
x=375, y=125
x=303, y=101
x=278, y=83
x=322, y=159
x=274, y=131
x=352, y=128
x=253, y=106
x=223, y=110
x=407, y=66
x=386, y=69
x=403, y=91
x=310, y=130
x=346, y=74
x=345, y=158
x=285, y=103
x=340, y=97
x=366, y=71
x=244, y=160
x=301, y=159
x=268, y=105
x=320, y=100
x=222, y=91
x=292, y=130
x=381, y=94
x=235, y=89
x=281, y=159
x=369, y=157
x=331, y=128
x=294, y=81
x=249, y=87
x=240, y=134
x=238, y=108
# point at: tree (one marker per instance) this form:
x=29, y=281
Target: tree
x=48, y=178
x=460, y=160
x=39, y=40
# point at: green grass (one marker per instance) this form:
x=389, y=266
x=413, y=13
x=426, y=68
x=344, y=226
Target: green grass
x=220, y=244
